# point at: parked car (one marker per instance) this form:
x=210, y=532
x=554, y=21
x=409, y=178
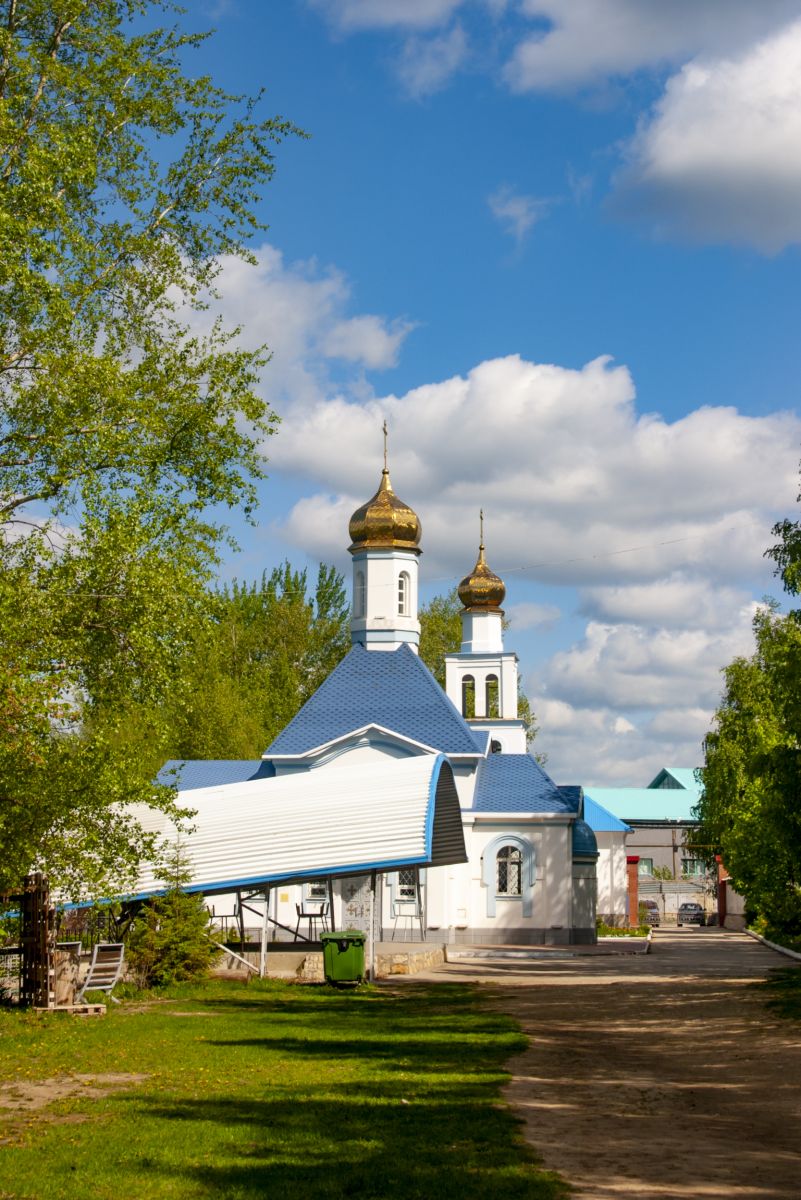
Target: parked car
x=690, y=913
x=649, y=912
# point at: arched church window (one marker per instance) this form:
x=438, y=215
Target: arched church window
x=403, y=594
x=468, y=696
x=493, y=704
x=359, y=595
x=509, y=871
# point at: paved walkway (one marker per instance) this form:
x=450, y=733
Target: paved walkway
x=660, y=1077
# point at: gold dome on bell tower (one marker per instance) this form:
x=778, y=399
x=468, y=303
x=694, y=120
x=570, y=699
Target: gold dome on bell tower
x=385, y=522
x=482, y=588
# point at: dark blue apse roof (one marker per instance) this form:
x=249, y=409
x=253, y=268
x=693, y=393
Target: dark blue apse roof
x=571, y=794
x=194, y=773
x=392, y=688
x=516, y=783
x=583, y=839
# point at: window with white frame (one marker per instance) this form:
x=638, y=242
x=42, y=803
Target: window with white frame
x=404, y=586
x=407, y=884
x=692, y=866
x=316, y=889
x=509, y=871
x=645, y=866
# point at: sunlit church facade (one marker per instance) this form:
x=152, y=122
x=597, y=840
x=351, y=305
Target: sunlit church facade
x=530, y=874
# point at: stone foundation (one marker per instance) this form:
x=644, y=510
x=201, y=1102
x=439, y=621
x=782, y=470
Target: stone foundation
x=306, y=966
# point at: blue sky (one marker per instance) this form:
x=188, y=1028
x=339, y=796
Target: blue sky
x=555, y=244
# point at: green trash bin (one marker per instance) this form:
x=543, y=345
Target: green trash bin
x=343, y=955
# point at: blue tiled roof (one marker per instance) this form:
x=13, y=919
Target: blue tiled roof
x=196, y=773
x=583, y=839
x=601, y=819
x=391, y=688
x=516, y=783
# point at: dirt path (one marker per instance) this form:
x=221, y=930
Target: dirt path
x=660, y=1077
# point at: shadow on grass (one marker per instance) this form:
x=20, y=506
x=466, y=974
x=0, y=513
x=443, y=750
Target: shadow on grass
x=356, y=1144
x=399, y=1095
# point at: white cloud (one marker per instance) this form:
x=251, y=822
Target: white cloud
x=578, y=487
x=643, y=667
x=368, y=340
x=427, y=64
x=598, y=746
x=355, y=15
x=627, y=699
x=517, y=213
x=300, y=310
x=720, y=159
x=582, y=42
x=531, y=616
x=677, y=601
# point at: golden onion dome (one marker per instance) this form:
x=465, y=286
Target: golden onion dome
x=482, y=588
x=385, y=522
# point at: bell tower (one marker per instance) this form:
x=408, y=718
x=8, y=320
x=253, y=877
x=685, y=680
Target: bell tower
x=385, y=535
x=481, y=679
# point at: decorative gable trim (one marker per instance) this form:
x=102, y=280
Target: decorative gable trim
x=366, y=735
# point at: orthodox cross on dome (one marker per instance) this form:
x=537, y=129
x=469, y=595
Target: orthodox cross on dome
x=481, y=523
x=386, y=434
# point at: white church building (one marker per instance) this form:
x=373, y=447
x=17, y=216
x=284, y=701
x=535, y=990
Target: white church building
x=382, y=776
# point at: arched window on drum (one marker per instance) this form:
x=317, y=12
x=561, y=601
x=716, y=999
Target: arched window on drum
x=404, y=588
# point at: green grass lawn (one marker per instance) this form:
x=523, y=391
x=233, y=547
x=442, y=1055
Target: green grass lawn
x=269, y=1090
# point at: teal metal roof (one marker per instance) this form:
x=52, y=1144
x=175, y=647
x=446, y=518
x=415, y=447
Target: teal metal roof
x=672, y=777
x=646, y=804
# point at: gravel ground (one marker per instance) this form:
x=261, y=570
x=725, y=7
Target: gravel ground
x=662, y=1076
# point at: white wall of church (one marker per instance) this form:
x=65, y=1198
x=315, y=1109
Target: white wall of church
x=611, y=876
x=551, y=900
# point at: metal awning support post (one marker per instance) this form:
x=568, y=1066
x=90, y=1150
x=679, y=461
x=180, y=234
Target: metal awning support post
x=263, y=946
x=331, y=901
x=371, y=934
x=241, y=914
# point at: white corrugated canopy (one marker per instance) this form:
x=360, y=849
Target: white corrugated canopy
x=336, y=820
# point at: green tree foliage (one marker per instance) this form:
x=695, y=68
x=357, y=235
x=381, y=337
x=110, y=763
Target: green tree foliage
x=126, y=410
x=750, y=810
x=441, y=634
x=268, y=647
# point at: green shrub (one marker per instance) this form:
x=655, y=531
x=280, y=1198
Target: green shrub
x=605, y=930
x=169, y=940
